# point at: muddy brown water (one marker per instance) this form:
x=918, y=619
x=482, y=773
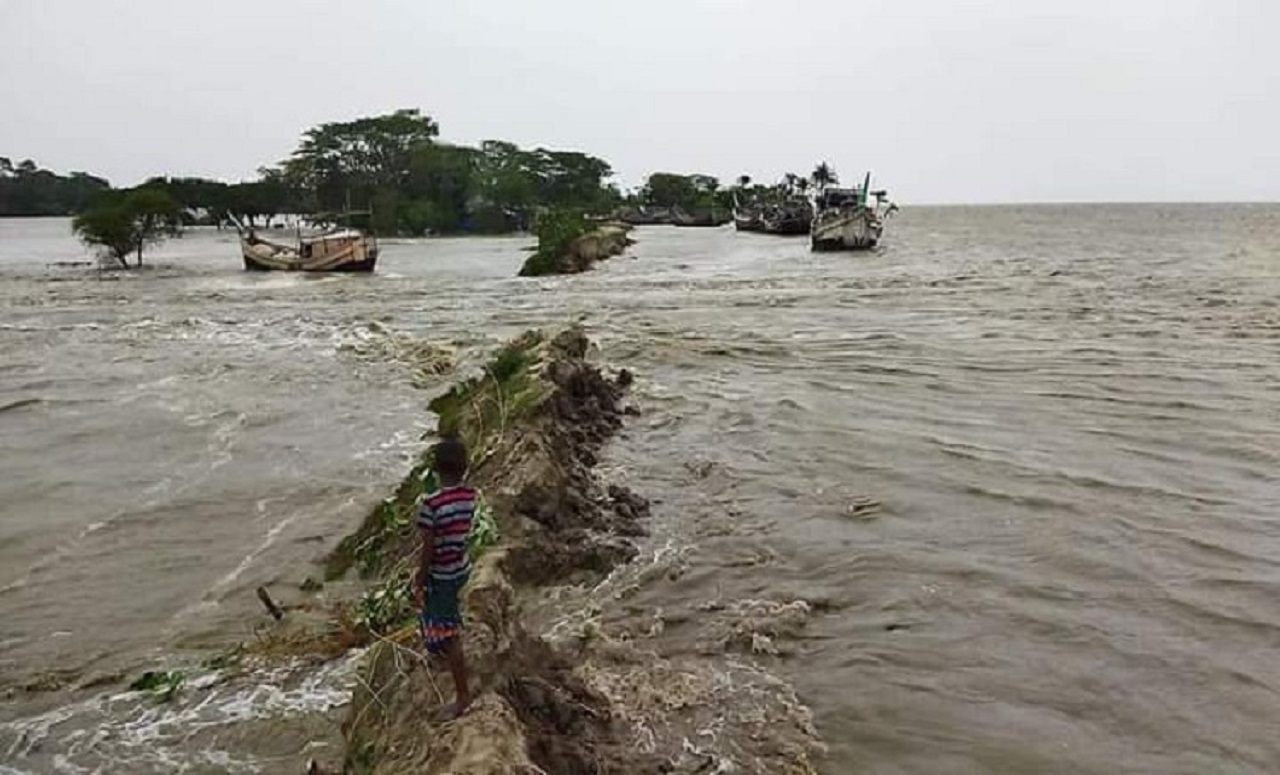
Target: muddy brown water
x=1022, y=463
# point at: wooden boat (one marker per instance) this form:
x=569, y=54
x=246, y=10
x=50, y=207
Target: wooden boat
x=788, y=218
x=343, y=250
x=847, y=219
x=711, y=217
x=747, y=217
x=644, y=216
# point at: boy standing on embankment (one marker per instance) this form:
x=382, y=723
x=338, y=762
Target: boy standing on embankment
x=445, y=523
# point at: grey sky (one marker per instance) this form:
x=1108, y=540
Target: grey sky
x=946, y=100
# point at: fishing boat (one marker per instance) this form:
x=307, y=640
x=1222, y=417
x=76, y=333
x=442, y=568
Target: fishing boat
x=707, y=217
x=794, y=216
x=339, y=250
x=848, y=219
x=644, y=216
x=748, y=217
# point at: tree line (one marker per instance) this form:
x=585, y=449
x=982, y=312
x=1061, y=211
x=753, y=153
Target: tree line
x=697, y=192
x=27, y=190
x=392, y=168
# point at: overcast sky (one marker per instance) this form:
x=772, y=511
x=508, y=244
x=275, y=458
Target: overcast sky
x=945, y=100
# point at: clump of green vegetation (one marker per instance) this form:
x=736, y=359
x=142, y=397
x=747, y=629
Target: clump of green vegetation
x=480, y=410
x=556, y=232
x=387, y=606
x=162, y=684
x=484, y=530
x=371, y=548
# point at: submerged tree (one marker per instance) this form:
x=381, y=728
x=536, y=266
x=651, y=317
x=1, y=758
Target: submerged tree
x=124, y=223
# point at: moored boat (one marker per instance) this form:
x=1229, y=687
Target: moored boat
x=792, y=217
x=343, y=250
x=848, y=219
x=644, y=216
x=708, y=217
x=748, y=217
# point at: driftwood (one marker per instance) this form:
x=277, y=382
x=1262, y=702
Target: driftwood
x=276, y=612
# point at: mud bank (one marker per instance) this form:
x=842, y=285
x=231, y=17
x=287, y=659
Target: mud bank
x=585, y=695
x=582, y=253
x=534, y=422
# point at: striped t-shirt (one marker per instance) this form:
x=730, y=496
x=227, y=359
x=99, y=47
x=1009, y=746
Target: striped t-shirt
x=447, y=513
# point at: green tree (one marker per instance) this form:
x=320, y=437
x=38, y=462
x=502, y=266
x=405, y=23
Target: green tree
x=27, y=190
x=416, y=184
x=350, y=159
x=667, y=189
x=125, y=223
x=441, y=183
x=505, y=176
x=196, y=194
x=823, y=176
x=568, y=179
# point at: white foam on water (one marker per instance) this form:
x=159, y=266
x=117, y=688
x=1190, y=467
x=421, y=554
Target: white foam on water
x=130, y=732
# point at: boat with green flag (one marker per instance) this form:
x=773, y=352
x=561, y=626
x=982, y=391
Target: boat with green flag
x=849, y=218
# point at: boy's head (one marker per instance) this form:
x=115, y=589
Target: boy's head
x=451, y=461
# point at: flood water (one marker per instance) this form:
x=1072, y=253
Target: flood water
x=1022, y=461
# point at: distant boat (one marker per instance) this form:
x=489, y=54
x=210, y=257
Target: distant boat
x=343, y=250
x=709, y=217
x=847, y=219
x=792, y=217
x=747, y=217
x=644, y=216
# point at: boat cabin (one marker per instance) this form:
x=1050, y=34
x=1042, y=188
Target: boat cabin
x=839, y=198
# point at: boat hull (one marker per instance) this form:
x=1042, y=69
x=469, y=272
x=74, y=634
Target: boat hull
x=788, y=227
x=701, y=219
x=254, y=264
x=349, y=255
x=857, y=230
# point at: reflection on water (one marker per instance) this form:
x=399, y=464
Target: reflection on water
x=1019, y=464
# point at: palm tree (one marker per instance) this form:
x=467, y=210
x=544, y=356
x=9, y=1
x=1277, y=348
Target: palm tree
x=802, y=185
x=789, y=180
x=823, y=176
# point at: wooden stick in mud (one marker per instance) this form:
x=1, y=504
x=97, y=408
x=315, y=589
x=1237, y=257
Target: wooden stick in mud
x=272, y=608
